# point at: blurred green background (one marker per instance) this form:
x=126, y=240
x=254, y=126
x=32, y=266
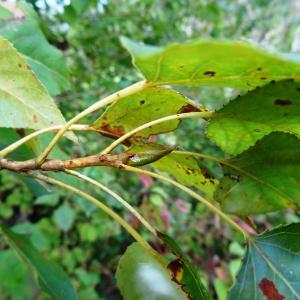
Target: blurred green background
x=83, y=240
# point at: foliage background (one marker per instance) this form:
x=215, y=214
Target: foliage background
x=83, y=240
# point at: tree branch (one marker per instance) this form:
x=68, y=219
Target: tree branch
x=107, y=160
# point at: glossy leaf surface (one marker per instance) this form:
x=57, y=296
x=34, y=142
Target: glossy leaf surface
x=140, y=276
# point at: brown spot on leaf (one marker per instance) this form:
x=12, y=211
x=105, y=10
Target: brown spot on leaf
x=112, y=131
x=189, y=171
x=176, y=269
x=142, y=102
x=188, y=108
x=34, y=118
x=269, y=289
x=263, y=78
x=259, y=69
x=273, y=81
x=21, y=132
x=209, y=73
x=282, y=102
x=205, y=173
x=19, y=65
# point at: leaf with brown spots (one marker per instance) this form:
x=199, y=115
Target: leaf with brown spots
x=236, y=64
x=247, y=119
x=150, y=104
x=183, y=271
x=187, y=171
x=270, y=270
x=264, y=178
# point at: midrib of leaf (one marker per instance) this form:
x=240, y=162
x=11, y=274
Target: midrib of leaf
x=273, y=268
x=24, y=103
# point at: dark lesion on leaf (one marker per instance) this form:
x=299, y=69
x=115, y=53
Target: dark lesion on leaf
x=206, y=174
x=269, y=289
x=189, y=171
x=259, y=69
x=188, y=108
x=142, y=102
x=209, y=73
x=282, y=102
x=175, y=268
x=113, y=132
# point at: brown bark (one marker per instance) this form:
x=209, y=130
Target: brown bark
x=60, y=165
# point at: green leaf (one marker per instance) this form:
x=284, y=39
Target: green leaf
x=80, y=6
x=271, y=267
x=141, y=276
x=50, y=199
x=245, y=120
x=150, y=104
x=189, y=277
x=64, y=217
x=236, y=64
x=147, y=153
x=187, y=171
x=24, y=101
x=18, y=281
x=265, y=178
x=50, y=275
x=21, y=28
